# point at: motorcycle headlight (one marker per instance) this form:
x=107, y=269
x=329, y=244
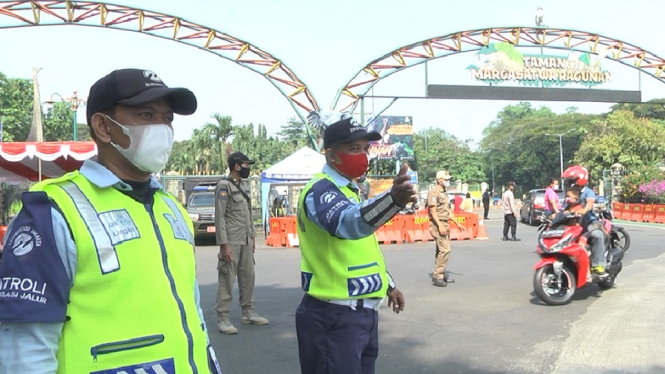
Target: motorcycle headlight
x=194, y=216
x=563, y=243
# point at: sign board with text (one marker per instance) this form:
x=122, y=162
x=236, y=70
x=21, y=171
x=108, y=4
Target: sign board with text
x=396, y=137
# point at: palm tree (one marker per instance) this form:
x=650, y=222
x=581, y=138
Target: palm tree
x=220, y=131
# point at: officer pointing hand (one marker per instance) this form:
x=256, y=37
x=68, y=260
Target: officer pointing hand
x=403, y=191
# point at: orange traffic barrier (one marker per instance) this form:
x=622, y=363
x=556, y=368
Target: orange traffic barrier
x=466, y=220
x=649, y=213
x=659, y=216
x=618, y=210
x=291, y=232
x=283, y=232
x=391, y=231
x=482, y=233
x=469, y=221
x=274, y=238
x=636, y=212
x=456, y=234
x=417, y=229
x=625, y=215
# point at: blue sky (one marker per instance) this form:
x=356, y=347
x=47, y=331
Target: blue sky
x=325, y=44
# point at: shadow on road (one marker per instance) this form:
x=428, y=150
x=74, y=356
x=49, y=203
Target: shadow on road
x=584, y=293
x=273, y=348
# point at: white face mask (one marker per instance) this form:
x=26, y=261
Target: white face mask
x=149, y=145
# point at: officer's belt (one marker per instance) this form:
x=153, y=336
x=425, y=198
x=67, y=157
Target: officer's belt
x=372, y=303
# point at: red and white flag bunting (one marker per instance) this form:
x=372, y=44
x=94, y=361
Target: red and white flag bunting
x=20, y=162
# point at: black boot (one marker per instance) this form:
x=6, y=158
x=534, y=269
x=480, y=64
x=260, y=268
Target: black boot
x=515, y=239
x=505, y=238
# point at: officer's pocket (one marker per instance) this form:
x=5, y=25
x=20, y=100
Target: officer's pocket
x=223, y=266
x=125, y=345
x=333, y=317
x=238, y=202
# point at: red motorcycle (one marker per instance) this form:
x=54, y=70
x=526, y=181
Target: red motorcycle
x=564, y=266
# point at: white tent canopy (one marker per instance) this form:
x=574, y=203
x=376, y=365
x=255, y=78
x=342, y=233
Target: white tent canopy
x=299, y=166
x=296, y=169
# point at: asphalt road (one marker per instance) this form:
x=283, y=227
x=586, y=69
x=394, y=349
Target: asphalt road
x=488, y=321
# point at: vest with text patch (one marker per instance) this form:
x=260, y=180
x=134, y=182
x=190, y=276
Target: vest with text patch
x=131, y=307
x=335, y=268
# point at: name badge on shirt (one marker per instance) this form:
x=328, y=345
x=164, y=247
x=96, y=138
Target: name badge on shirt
x=119, y=225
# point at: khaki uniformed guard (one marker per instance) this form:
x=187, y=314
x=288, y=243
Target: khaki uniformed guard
x=440, y=216
x=236, y=239
x=98, y=272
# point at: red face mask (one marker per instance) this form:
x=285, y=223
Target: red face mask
x=352, y=165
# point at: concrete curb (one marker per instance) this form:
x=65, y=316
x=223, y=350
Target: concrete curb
x=622, y=332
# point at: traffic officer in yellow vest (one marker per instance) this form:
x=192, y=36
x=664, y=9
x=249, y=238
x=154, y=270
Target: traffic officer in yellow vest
x=99, y=269
x=343, y=272
x=236, y=238
x=440, y=216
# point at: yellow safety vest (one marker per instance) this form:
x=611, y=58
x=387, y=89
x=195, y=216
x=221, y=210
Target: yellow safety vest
x=334, y=268
x=131, y=308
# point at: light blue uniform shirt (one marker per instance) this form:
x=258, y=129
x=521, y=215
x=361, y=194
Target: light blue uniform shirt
x=31, y=348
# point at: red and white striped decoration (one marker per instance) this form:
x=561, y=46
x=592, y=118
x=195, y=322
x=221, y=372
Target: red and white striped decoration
x=19, y=162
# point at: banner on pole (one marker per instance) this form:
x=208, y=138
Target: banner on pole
x=396, y=137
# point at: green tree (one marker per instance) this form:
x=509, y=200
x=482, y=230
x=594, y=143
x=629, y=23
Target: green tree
x=15, y=108
x=633, y=142
x=294, y=133
x=58, y=123
x=437, y=150
x=202, y=153
x=516, y=145
x=220, y=130
x=182, y=158
x=652, y=109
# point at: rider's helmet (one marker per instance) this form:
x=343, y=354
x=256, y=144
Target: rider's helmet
x=576, y=175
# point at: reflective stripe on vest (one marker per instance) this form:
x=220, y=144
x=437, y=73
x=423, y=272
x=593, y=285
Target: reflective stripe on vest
x=135, y=279
x=334, y=268
x=108, y=258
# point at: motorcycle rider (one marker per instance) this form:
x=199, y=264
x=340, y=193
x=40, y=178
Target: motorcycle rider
x=578, y=176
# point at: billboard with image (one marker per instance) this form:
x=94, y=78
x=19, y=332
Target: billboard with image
x=396, y=137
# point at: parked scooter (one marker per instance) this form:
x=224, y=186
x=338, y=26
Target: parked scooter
x=564, y=266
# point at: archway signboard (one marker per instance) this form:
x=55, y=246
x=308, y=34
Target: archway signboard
x=587, y=50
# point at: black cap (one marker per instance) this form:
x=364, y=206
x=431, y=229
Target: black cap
x=136, y=87
x=346, y=131
x=239, y=158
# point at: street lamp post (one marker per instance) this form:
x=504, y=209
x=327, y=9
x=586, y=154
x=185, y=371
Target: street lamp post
x=561, y=150
x=75, y=102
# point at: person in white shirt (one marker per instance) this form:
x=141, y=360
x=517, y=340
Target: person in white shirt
x=509, y=213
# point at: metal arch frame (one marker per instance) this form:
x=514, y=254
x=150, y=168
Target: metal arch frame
x=24, y=13
x=467, y=41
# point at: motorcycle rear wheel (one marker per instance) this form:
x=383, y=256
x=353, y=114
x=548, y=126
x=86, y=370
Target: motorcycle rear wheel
x=545, y=286
x=623, y=239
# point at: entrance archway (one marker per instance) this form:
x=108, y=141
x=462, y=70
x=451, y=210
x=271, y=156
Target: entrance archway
x=15, y=14
x=410, y=55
